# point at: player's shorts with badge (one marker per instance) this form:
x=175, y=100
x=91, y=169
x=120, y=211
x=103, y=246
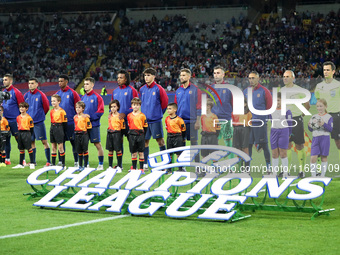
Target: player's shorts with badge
x=154, y=129
x=39, y=131
x=94, y=134
x=14, y=127
x=69, y=135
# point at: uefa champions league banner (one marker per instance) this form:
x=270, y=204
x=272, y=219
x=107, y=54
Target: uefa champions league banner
x=221, y=193
x=221, y=199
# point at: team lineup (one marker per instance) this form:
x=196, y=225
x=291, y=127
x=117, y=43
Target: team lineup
x=139, y=116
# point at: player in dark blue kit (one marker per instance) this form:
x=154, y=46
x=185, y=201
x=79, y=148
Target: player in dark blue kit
x=69, y=98
x=154, y=103
x=39, y=106
x=11, y=111
x=224, y=110
x=262, y=100
x=94, y=108
x=124, y=94
x=188, y=99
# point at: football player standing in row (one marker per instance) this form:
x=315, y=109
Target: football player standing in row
x=298, y=134
x=154, y=103
x=11, y=111
x=329, y=89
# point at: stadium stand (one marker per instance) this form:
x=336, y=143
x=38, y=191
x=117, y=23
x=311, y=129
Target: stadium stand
x=45, y=45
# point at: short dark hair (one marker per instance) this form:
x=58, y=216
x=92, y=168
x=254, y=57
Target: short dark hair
x=127, y=76
x=64, y=76
x=114, y=101
x=33, y=79
x=174, y=105
x=81, y=104
x=150, y=70
x=136, y=100
x=90, y=79
x=329, y=63
x=24, y=104
x=57, y=97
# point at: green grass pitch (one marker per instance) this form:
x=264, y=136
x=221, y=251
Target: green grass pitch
x=263, y=233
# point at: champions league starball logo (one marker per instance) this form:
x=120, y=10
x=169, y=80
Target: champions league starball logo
x=315, y=122
x=188, y=153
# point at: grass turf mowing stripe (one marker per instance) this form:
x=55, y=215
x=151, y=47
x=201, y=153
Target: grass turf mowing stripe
x=63, y=227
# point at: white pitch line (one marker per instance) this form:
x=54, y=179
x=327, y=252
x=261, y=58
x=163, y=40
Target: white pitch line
x=62, y=227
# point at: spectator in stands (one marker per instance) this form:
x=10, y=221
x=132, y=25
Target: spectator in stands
x=104, y=91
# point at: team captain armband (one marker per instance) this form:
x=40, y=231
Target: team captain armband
x=4, y=125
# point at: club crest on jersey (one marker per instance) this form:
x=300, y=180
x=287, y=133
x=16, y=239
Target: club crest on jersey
x=153, y=93
x=125, y=93
x=92, y=100
x=190, y=92
x=67, y=96
x=258, y=95
x=36, y=99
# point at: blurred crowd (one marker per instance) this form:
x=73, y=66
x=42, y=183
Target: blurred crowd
x=32, y=45
x=270, y=47
x=35, y=45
